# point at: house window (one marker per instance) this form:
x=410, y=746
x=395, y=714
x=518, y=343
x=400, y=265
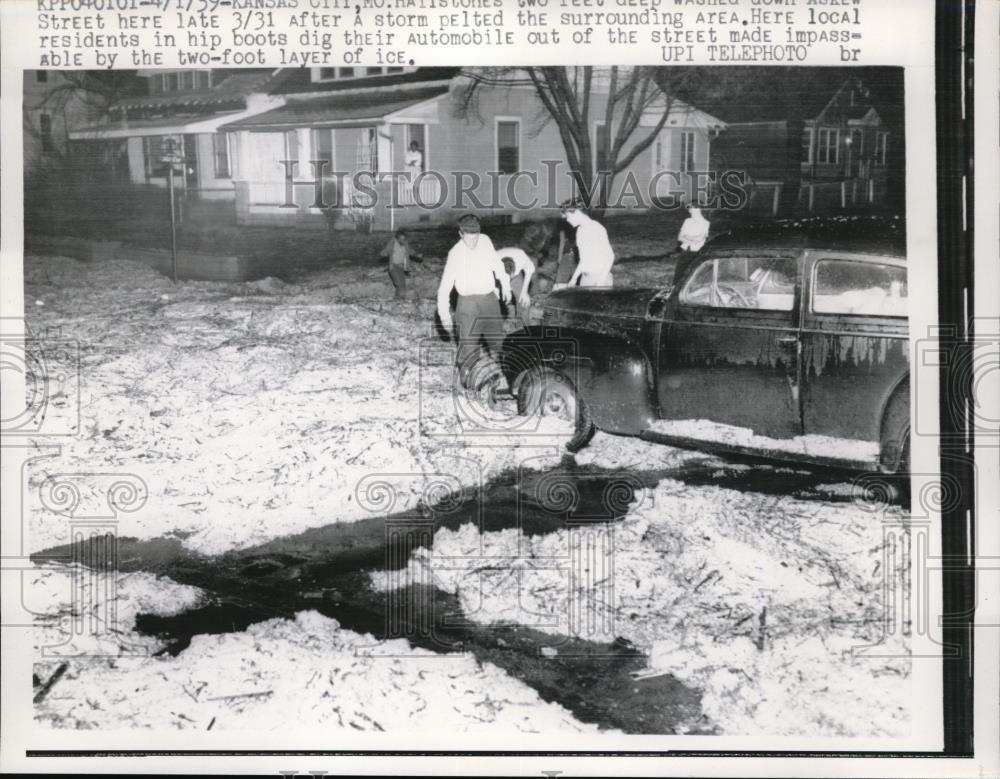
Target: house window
x=373, y=71
x=881, y=146
x=200, y=80
x=172, y=82
x=220, y=148
x=858, y=143
x=508, y=145
x=807, y=145
x=687, y=152
x=45, y=132
x=42, y=76
x=828, y=146
x=368, y=150
x=345, y=72
x=394, y=70
x=327, y=74
x=152, y=151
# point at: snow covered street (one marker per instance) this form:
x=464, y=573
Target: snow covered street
x=257, y=412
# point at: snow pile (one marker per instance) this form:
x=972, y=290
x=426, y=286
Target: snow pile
x=757, y=601
x=341, y=680
x=82, y=613
x=808, y=445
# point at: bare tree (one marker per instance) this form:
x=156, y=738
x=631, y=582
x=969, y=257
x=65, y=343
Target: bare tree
x=573, y=97
x=91, y=94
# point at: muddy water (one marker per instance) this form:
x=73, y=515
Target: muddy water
x=327, y=569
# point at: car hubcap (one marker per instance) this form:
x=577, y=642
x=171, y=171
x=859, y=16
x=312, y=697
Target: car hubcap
x=559, y=405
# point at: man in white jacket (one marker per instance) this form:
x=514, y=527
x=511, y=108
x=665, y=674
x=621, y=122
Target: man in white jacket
x=473, y=270
x=596, y=255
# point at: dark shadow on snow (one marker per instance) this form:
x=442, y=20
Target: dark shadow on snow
x=327, y=569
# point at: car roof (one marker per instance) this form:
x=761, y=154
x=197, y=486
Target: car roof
x=864, y=234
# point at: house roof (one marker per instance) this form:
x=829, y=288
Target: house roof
x=230, y=93
x=682, y=115
x=292, y=81
x=161, y=125
x=354, y=108
x=766, y=94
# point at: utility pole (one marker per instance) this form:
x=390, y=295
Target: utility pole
x=172, y=153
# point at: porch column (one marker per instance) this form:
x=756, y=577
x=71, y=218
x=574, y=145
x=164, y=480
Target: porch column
x=136, y=160
x=242, y=155
x=304, y=138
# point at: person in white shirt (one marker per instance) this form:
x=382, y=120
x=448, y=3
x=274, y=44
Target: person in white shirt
x=520, y=270
x=596, y=255
x=694, y=231
x=414, y=160
x=473, y=271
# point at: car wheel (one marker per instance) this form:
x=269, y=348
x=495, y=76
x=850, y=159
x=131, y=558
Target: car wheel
x=547, y=393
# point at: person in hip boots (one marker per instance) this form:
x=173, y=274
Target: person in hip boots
x=399, y=252
x=596, y=255
x=473, y=271
x=520, y=270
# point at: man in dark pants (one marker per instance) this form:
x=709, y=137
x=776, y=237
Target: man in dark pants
x=473, y=271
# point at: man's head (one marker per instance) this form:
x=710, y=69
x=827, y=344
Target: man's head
x=400, y=236
x=572, y=211
x=468, y=230
x=508, y=265
x=414, y=146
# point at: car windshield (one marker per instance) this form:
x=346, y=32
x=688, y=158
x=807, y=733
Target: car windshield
x=766, y=283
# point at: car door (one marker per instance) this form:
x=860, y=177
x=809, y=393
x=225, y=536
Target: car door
x=855, y=349
x=729, y=346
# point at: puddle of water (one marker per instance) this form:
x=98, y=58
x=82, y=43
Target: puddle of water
x=593, y=681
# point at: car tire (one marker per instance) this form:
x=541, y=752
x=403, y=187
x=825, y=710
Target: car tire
x=544, y=391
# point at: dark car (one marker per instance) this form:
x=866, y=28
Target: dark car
x=787, y=340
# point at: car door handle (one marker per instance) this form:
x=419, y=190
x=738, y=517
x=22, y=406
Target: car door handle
x=788, y=342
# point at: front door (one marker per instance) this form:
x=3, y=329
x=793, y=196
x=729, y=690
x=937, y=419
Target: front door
x=191, y=161
x=729, y=348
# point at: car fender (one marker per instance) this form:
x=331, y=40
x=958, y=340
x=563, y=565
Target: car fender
x=895, y=424
x=612, y=375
